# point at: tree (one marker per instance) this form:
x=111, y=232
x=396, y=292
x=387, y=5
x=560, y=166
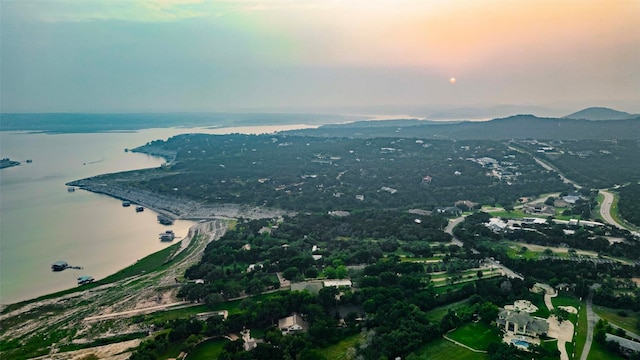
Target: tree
x=290, y=273
x=488, y=312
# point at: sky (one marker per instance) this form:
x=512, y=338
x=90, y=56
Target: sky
x=315, y=55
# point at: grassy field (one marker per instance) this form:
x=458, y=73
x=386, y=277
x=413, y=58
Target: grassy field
x=538, y=300
x=550, y=345
x=443, y=349
x=209, y=349
x=436, y=314
x=339, y=351
x=476, y=335
x=598, y=352
x=147, y=264
x=515, y=252
x=629, y=322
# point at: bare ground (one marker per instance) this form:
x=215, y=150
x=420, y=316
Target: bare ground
x=68, y=314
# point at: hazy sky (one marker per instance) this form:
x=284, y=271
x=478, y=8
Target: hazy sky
x=182, y=55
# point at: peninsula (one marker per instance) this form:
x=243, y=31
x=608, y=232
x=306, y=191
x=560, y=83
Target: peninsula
x=7, y=163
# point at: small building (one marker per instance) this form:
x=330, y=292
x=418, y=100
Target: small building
x=539, y=209
x=337, y=283
x=521, y=323
x=292, y=324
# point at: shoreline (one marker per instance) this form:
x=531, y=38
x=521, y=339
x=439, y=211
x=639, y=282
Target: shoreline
x=116, y=185
x=174, y=207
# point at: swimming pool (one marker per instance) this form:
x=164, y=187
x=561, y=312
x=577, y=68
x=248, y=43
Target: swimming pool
x=518, y=342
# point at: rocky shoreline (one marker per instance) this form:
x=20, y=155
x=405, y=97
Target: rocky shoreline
x=174, y=207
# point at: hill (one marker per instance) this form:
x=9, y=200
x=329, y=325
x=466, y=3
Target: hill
x=599, y=113
x=513, y=127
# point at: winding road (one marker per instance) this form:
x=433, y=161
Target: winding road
x=605, y=209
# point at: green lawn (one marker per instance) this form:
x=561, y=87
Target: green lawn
x=340, y=350
x=538, y=300
x=514, y=252
x=209, y=349
x=437, y=313
x=598, y=352
x=443, y=349
x=476, y=335
x=628, y=322
x=564, y=299
x=549, y=345
x=147, y=264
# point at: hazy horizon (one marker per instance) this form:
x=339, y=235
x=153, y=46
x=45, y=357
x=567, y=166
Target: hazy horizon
x=318, y=56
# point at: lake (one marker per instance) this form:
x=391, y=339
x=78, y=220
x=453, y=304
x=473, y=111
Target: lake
x=41, y=222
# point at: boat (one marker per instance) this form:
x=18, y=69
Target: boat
x=168, y=235
x=126, y=203
x=139, y=209
x=59, y=266
x=71, y=189
x=82, y=280
x=165, y=220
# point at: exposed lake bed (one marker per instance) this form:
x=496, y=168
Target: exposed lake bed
x=43, y=222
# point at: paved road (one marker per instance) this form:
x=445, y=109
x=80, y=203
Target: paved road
x=592, y=318
x=505, y=270
x=449, y=230
x=605, y=209
x=551, y=168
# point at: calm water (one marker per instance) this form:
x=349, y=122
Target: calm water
x=41, y=222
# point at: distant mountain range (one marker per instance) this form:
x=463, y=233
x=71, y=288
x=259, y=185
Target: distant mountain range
x=584, y=124
x=600, y=113
x=512, y=127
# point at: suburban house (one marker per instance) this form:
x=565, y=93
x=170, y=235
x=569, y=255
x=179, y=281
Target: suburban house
x=451, y=210
x=538, y=209
x=292, y=324
x=521, y=323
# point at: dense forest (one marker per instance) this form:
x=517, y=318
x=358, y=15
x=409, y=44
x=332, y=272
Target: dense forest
x=594, y=164
x=629, y=204
x=319, y=175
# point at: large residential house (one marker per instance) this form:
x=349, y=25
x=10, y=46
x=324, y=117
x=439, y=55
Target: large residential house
x=292, y=324
x=521, y=323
